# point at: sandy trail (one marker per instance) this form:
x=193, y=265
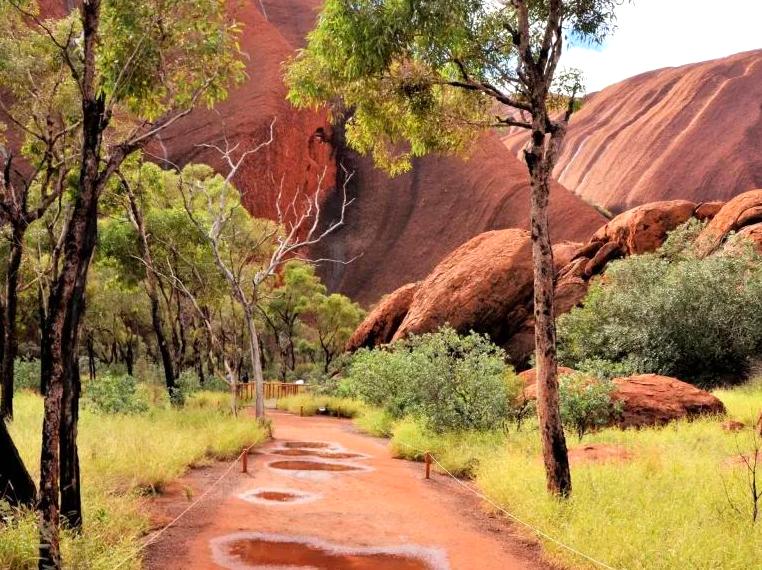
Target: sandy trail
x=378, y=513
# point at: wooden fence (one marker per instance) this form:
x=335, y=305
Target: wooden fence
x=273, y=390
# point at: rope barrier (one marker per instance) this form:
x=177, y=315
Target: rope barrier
x=190, y=507
x=509, y=514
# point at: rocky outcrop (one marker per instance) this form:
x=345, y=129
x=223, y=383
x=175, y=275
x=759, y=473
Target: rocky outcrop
x=648, y=399
x=743, y=214
x=481, y=286
x=384, y=320
x=688, y=132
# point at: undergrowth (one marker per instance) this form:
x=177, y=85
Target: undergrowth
x=123, y=458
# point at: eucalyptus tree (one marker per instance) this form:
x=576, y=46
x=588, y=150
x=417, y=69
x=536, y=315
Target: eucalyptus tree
x=425, y=76
x=134, y=68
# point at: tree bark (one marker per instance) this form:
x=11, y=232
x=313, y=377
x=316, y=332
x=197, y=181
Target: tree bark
x=16, y=486
x=71, y=498
x=256, y=363
x=554, y=449
x=10, y=337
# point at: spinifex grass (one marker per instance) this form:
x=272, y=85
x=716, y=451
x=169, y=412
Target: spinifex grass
x=122, y=459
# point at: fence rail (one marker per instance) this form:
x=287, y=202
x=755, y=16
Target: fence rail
x=273, y=390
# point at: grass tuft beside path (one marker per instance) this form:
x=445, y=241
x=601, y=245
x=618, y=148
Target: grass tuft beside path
x=123, y=458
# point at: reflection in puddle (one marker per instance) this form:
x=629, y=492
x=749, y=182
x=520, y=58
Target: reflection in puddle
x=304, y=465
x=295, y=451
x=278, y=496
x=252, y=551
x=307, y=444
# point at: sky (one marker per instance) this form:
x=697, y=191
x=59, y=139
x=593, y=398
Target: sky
x=652, y=34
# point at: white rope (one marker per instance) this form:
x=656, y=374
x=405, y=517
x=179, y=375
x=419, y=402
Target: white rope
x=190, y=507
x=509, y=514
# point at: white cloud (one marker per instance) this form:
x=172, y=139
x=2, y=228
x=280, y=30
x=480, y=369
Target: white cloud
x=662, y=33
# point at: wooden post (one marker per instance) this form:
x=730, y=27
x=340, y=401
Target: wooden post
x=427, y=460
x=245, y=462
x=301, y=411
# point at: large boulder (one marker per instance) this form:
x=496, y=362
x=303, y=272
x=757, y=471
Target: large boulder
x=743, y=211
x=477, y=287
x=644, y=228
x=648, y=399
x=384, y=320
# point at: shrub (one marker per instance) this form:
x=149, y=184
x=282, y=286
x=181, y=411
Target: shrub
x=115, y=395
x=450, y=381
x=586, y=402
x=27, y=375
x=696, y=319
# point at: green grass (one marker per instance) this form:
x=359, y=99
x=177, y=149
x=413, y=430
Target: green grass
x=311, y=404
x=680, y=502
x=377, y=423
x=122, y=458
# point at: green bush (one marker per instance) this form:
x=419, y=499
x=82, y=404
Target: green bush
x=115, y=395
x=27, y=375
x=449, y=381
x=586, y=402
x=669, y=313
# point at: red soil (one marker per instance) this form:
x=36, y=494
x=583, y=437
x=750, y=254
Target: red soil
x=691, y=132
x=599, y=453
x=391, y=508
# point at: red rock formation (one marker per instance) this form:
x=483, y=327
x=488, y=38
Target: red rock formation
x=690, y=132
x=742, y=214
x=648, y=399
x=384, y=320
x=477, y=287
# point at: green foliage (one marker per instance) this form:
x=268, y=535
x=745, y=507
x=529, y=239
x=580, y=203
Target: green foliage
x=450, y=381
x=586, y=402
x=375, y=422
x=27, y=375
x=111, y=394
x=408, y=70
x=311, y=405
x=669, y=313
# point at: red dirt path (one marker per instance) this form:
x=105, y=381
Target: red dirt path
x=390, y=506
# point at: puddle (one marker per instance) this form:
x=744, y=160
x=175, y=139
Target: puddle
x=295, y=451
x=306, y=444
x=252, y=551
x=297, y=465
x=273, y=496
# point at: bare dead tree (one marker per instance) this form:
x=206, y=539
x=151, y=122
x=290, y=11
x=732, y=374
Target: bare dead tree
x=299, y=226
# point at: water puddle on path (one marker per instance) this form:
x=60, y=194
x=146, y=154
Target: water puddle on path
x=296, y=452
x=273, y=496
x=304, y=465
x=307, y=444
x=265, y=551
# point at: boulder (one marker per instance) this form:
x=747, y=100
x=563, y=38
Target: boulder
x=384, y=320
x=707, y=210
x=742, y=211
x=648, y=399
x=644, y=228
x=477, y=287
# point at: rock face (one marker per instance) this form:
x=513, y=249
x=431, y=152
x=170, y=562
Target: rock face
x=478, y=286
x=743, y=214
x=384, y=320
x=649, y=399
x=689, y=132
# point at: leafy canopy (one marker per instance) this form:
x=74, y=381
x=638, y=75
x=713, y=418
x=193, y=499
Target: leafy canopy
x=425, y=75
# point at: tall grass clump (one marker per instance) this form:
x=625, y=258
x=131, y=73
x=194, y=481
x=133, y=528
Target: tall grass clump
x=123, y=458
x=670, y=313
x=313, y=404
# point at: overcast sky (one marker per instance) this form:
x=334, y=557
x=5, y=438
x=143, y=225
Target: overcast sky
x=663, y=33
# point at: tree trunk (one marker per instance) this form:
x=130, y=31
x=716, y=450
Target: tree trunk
x=153, y=295
x=16, y=486
x=71, y=498
x=256, y=364
x=553, y=441
x=65, y=309
x=10, y=338
x=91, y=366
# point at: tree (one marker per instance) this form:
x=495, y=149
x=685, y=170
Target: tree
x=335, y=318
x=426, y=75
x=16, y=486
x=133, y=68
